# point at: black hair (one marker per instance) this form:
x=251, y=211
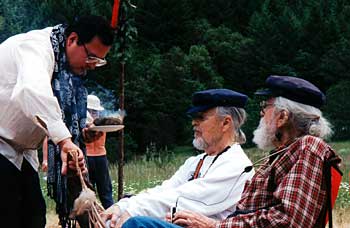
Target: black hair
x=87, y=27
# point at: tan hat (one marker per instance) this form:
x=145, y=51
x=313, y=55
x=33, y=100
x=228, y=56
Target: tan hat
x=94, y=103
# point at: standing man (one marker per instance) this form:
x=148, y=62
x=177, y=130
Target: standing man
x=97, y=157
x=210, y=183
x=42, y=93
x=288, y=190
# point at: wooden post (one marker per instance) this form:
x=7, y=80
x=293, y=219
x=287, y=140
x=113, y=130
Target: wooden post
x=119, y=20
x=121, y=133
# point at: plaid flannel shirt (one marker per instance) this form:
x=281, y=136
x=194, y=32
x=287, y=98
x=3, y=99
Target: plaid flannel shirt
x=286, y=192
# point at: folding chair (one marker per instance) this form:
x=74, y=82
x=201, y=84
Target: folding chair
x=333, y=177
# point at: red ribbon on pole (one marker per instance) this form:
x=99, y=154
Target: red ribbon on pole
x=115, y=14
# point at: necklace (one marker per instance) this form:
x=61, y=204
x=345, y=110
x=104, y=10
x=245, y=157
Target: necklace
x=200, y=164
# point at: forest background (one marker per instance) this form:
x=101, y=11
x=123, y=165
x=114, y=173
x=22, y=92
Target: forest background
x=176, y=47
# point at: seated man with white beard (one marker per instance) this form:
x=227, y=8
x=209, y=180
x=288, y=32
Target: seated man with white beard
x=289, y=188
x=210, y=183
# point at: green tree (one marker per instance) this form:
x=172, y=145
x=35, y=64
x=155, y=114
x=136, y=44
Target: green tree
x=337, y=109
x=291, y=37
x=253, y=117
x=335, y=62
x=174, y=48
x=159, y=90
x=230, y=51
x=162, y=23
x=201, y=67
x=232, y=14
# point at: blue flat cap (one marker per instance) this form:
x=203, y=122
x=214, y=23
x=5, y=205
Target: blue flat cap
x=295, y=89
x=211, y=98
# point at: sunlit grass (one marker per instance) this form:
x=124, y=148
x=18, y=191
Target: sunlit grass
x=142, y=174
x=149, y=171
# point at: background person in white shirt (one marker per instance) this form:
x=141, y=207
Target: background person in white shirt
x=209, y=183
x=42, y=93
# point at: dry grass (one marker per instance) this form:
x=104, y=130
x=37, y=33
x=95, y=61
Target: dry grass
x=52, y=220
x=341, y=218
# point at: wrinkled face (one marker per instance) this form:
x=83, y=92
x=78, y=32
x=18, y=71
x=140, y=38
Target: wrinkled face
x=207, y=129
x=264, y=135
x=86, y=56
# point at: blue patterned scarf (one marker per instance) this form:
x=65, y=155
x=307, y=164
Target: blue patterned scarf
x=71, y=94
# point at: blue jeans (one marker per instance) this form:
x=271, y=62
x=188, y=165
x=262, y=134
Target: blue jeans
x=147, y=222
x=99, y=177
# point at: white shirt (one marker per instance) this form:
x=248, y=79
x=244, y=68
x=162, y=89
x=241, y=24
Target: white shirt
x=213, y=194
x=26, y=67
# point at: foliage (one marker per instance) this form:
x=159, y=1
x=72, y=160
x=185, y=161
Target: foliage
x=228, y=50
x=1, y=22
x=338, y=109
x=163, y=23
x=292, y=37
x=174, y=48
x=253, y=118
x=126, y=33
x=343, y=200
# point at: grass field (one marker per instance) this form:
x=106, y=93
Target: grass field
x=143, y=173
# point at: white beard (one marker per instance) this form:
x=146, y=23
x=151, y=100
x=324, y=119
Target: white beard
x=200, y=144
x=264, y=135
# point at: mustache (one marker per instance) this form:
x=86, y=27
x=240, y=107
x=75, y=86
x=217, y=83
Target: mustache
x=196, y=131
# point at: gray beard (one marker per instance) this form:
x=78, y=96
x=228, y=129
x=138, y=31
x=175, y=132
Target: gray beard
x=264, y=135
x=200, y=144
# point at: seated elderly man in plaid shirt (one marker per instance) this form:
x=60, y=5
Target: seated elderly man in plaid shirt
x=288, y=190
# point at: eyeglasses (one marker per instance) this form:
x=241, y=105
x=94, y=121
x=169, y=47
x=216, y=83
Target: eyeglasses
x=90, y=59
x=264, y=105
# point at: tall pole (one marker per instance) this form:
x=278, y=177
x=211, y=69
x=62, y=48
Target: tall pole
x=121, y=133
x=120, y=152
x=116, y=24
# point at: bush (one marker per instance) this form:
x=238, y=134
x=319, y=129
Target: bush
x=253, y=118
x=337, y=109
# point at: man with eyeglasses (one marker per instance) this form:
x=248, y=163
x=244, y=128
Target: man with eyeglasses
x=209, y=183
x=42, y=93
x=94, y=60
x=290, y=187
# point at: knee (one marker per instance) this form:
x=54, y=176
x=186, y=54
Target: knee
x=136, y=222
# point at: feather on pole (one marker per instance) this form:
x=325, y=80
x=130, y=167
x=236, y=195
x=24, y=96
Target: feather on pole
x=115, y=14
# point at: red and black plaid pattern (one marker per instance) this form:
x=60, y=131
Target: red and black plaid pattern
x=286, y=192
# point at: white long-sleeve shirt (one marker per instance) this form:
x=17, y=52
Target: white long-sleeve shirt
x=213, y=194
x=26, y=67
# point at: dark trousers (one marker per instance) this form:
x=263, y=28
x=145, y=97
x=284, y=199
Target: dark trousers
x=99, y=177
x=21, y=200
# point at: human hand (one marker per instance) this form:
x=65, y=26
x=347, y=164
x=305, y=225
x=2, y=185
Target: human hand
x=191, y=219
x=44, y=166
x=168, y=217
x=122, y=219
x=66, y=146
x=112, y=213
x=90, y=136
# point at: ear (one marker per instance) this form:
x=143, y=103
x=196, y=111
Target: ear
x=226, y=123
x=72, y=39
x=282, y=118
